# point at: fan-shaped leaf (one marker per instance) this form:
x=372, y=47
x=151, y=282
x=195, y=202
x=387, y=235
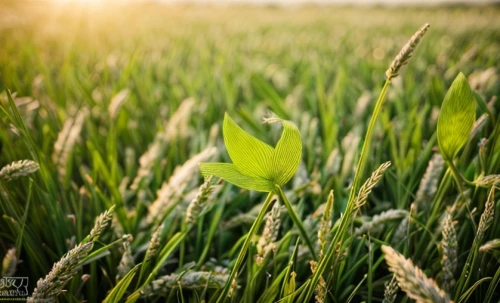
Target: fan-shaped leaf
x=456, y=118
x=249, y=155
x=256, y=165
x=230, y=173
x=287, y=154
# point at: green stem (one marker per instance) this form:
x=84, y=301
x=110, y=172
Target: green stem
x=296, y=220
x=346, y=219
x=246, y=244
x=460, y=180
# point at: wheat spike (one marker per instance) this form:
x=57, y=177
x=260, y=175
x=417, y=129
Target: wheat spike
x=367, y=187
x=379, y=220
x=199, y=203
x=487, y=181
x=169, y=194
x=116, y=103
x=48, y=288
x=154, y=244
x=406, y=52
x=325, y=224
x=412, y=280
x=66, y=140
x=487, y=216
x=391, y=290
x=428, y=185
x=320, y=291
x=9, y=263
x=234, y=286
x=449, y=259
x=490, y=245
x=126, y=262
x=270, y=233
x=100, y=224
x=18, y=169
x=176, y=128
x=194, y=280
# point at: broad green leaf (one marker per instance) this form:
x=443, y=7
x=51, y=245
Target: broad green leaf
x=287, y=154
x=231, y=174
x=256, y=165
x=249, y=155
x=456, y=118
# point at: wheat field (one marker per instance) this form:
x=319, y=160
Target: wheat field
x=382, y=168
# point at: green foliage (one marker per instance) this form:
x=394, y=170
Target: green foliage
x=120, y=104
x=116, y=294
x=256, y=165
x=456, y=118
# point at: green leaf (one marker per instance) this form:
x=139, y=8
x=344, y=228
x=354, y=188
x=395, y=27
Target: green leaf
x=287, y=154
x=249, y=155
x=456, y=118
x=119, y=290
x=256, y=165
x=230, y=173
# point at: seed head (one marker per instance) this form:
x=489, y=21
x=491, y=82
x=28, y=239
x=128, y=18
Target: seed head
x=412, y=280
x=406, y=52
x=18, y=169
x=449, y=259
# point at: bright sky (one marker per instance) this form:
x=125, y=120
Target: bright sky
x=335, y=1
x=355, y=2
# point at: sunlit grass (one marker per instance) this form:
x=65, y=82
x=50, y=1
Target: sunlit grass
x=119, y=103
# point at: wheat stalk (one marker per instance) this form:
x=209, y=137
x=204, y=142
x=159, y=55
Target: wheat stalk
x=406, y=52
x=320, y=291
x=325, y=224
x=63, y=271
x=270, y=233
x=48, y=288
x=449, y=259
x=412, y=280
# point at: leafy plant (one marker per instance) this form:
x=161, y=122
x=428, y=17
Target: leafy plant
x=256, y=165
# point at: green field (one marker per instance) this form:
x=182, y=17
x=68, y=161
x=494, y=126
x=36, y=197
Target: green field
x=117, y=104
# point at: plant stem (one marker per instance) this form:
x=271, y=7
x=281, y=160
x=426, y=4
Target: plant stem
x=246, y=244
x=296, y=221
x=346, y=218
